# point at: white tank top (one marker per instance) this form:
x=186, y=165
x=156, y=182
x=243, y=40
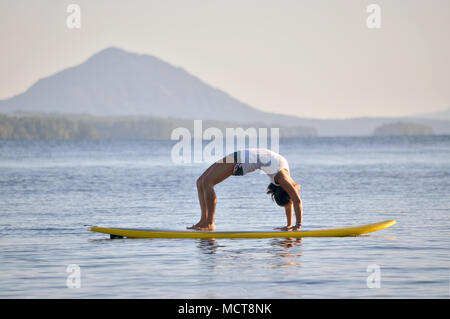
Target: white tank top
x=266, y=160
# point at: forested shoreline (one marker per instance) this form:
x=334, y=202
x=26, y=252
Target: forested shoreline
x=39, y=126
x=402, y=129
x=44, y=128
x=84, y=127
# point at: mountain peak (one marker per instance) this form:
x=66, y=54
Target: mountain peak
x=114, y=81
x=111, y=52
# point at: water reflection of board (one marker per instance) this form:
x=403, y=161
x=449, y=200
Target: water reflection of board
x=155, y=233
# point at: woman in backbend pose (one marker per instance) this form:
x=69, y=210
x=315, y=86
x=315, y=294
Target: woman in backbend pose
x=284, y=191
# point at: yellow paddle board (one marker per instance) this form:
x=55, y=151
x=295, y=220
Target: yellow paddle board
x=154, y=233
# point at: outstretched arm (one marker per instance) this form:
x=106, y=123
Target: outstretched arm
x=293, y=189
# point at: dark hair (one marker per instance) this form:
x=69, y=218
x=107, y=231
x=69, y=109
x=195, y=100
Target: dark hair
x=279, y=195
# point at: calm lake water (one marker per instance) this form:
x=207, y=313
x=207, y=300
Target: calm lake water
x=49, y=191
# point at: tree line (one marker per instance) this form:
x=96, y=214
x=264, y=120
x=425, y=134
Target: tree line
x=44, y=128
x=82, y=127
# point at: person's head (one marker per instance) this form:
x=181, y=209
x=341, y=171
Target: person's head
x=279, y=195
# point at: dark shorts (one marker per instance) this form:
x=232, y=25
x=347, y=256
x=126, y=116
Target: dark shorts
x=238, y=170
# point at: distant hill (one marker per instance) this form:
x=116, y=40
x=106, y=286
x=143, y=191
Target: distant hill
x=117, y=83
x=366, y=126
x=403, y=128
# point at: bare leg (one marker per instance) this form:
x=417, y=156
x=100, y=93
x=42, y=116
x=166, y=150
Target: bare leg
x=201, y=199
x=215, y=174
x=218, y=173
x=211, y=201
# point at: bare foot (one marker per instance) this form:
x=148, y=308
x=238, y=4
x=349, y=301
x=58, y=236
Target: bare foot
x=207, y=227
x=204, y=226
x=196, y=226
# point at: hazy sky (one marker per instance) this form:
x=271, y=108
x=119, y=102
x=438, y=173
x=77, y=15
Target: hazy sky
x=311, y=58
